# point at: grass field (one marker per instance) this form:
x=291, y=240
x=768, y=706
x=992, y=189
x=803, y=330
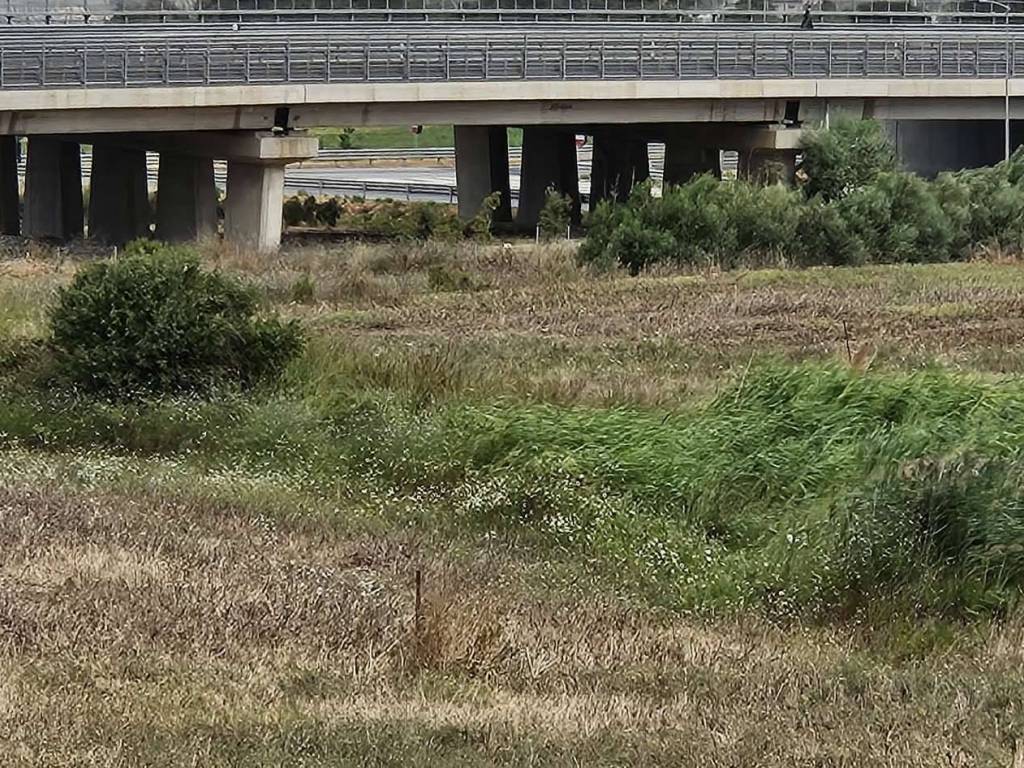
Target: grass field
x=767, y=517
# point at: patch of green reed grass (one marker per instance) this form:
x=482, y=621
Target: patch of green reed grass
x=801, y=490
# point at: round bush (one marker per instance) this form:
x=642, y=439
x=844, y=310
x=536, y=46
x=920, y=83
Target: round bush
x=155, y=322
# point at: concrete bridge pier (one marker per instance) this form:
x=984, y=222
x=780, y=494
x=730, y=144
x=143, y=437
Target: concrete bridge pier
x=187, y=197
x=549, y=162
x=252, y=210
x=53, y=189
x=119, y=209
x=10, y=201
x=481, y=168
x=186, y=202
x=618, y=164
x=686, y=158
x=767, y=166
x=928, y=147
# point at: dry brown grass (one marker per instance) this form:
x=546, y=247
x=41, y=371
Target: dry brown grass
x=159, y=630
x=536, y=325
x=527, y=321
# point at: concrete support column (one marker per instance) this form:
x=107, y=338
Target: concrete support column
x=252, y=211
x=186, y=202
x=481, y=168
x=118, y=195
x=618, y=164
x=549, y=161
x=10, y=203
x=927, y=147
x=53, y=189
x=685, y=158
x=767, y=166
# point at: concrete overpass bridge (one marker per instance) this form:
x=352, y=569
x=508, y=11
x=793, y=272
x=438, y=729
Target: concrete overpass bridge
x=245, y=92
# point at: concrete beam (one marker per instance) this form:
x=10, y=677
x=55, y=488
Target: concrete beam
x=487, y=103
x=186, y=202
x=261, y=147
x=549, y=162
x=118, y=195
x=481, y=168
x=53, y=189
x=558, y=92
x=137, y=118
x=253, y=208
x=10, y=201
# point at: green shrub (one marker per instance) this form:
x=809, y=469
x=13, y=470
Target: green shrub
x=985, y=206
x=697, y=216
x=822, y=237
x=846, y=157
x=898, y=219
x=636, y=245
x=762, y=220
x=601, y=223
x=479, y=227
x=555, y=215
x=294, y=211
x=154, y=322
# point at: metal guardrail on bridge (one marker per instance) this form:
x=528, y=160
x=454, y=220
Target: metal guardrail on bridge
x=113, y=62
x=148, y=11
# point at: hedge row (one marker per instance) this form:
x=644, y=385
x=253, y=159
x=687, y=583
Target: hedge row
x=845, y=213
x=389, y=219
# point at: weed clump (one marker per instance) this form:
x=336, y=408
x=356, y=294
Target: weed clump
x=155, y=322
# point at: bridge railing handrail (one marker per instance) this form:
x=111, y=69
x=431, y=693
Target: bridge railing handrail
x=76, y=11
x=643, y=56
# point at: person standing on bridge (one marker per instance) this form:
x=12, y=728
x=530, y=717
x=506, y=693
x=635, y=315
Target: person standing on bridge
x=807, y=22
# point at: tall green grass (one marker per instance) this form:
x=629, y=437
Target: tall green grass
x=800, y=490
